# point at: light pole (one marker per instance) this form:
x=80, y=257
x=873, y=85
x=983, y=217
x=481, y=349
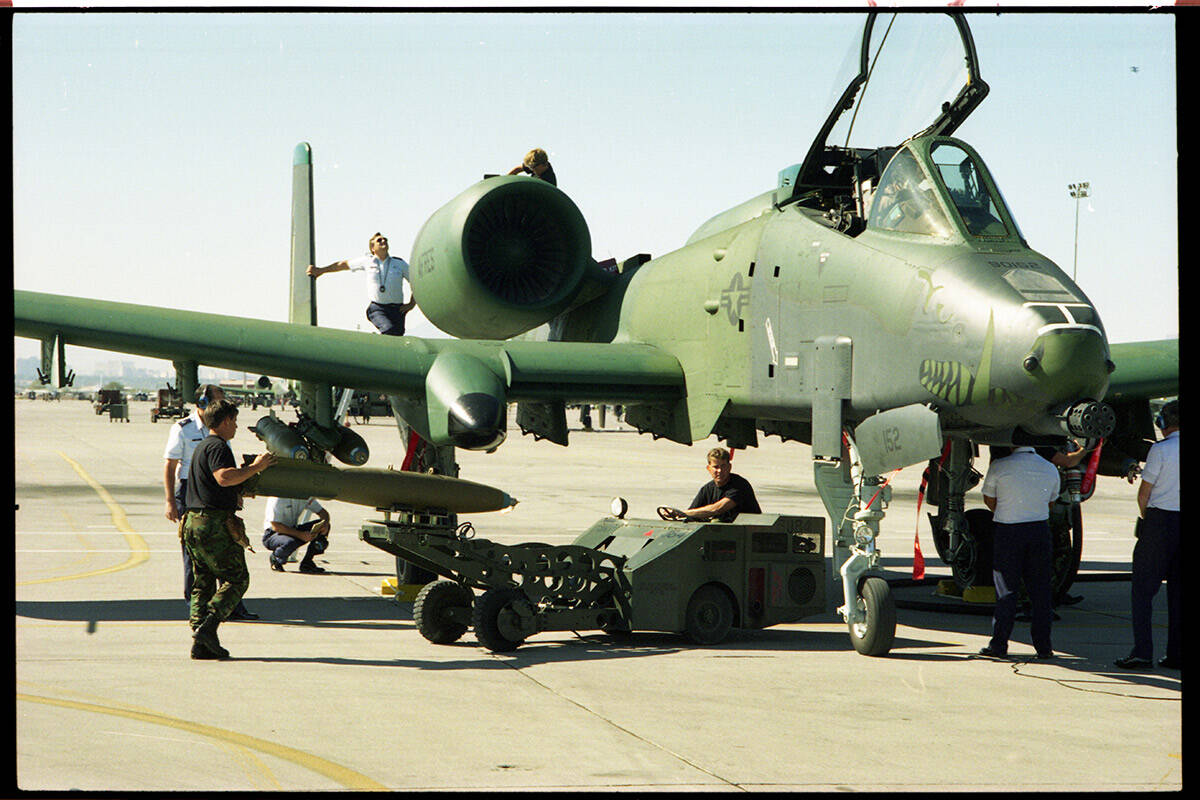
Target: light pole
x=1078, y=191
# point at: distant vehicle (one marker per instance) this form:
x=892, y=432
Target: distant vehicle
x=168, y=405
x=105, y=398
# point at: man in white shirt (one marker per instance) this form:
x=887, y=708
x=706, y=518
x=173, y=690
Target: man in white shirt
x=1019, y=489
x=283, y=533
x=181, y=441
x=386, y=276
x=1156, y=554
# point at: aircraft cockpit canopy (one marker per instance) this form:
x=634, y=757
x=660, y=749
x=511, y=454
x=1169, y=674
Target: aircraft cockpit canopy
x=911, y=199
x=910, y=76
x=906, y=201
x=978, y=208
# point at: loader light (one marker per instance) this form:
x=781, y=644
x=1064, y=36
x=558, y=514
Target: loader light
x=1030, y=363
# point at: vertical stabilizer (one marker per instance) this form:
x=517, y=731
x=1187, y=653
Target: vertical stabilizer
x=303, y=290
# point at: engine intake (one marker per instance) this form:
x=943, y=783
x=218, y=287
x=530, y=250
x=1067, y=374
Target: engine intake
x=505, y=256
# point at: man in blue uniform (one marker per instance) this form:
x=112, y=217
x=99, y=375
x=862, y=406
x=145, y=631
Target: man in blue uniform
x=1019, y=489
x=1156, y=554
x=386, y=276
x=283, y=532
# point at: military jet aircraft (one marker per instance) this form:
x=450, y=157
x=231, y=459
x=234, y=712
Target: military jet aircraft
x=880, y=303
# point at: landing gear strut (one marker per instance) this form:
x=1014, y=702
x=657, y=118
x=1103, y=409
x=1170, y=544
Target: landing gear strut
x=855, y=504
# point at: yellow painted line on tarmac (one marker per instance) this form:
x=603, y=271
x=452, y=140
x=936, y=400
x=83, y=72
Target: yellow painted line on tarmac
x=335, y=772
x=139, y=550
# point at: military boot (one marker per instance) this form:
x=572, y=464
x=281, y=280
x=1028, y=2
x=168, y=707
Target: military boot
x=200, y=652
x=206, y=635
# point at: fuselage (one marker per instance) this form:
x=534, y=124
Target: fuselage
x=981, y=327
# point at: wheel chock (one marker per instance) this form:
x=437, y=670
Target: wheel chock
x=400, y=592
x=979, y=594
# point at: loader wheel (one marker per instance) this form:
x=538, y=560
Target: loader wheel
x=435, y=609
x=709, y=614
x=494, y=628
x=874, y=637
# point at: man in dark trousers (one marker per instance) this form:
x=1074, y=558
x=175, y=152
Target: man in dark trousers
x=1156, y=554
x=1019, y=489
x=211, y=530
x=722, y=498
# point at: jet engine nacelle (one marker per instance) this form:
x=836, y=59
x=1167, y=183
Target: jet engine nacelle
x=505, y=256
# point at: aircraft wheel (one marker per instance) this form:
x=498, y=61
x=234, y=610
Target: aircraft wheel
x=874, y=637
x=1067, y=549
x=973, y=567
x=493, y=620
x=434, y=607
x=709, y=614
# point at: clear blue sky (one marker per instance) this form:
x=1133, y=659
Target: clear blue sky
x=152, y=152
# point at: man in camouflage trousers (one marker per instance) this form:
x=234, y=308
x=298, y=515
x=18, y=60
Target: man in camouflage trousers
x=211, y=530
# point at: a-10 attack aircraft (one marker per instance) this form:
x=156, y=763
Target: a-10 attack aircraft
x=879, y=303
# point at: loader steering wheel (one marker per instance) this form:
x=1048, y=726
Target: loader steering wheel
x=672, y=514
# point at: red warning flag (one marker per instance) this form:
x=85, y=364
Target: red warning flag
x=1089, y=475
x=918, y=559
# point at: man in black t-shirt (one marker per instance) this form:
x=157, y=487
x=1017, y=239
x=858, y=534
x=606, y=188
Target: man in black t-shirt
x=211, y=531
x=723, y=498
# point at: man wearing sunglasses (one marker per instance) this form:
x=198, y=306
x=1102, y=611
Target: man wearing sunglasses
x=386, y=276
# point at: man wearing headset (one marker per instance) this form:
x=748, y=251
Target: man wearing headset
x=1156, y=553
x=181, y=441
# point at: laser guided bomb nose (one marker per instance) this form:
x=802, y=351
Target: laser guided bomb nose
x=279, y=438
x=351, y=448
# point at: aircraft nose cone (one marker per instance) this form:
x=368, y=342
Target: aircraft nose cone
x=476, y=421
x=1070, y=365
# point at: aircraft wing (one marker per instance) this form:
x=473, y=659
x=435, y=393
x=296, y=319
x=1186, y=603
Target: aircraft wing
x=436, y=373
x=1144, y=370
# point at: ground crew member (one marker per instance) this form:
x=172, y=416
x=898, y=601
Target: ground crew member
x=386, y=276
x=1019, y=489
x=723, y=498
x=1156, y=553
x=537, y=164
x=181, y=441
x=283, y=533
x=211, y=530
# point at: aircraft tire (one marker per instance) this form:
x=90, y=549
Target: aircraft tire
x=875, y=636
x=975, y=568
x=709, y=615
x=1068, y=548
x=490, y=630
x=432, y=606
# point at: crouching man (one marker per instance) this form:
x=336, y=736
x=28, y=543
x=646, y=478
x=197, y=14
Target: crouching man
x=213, y=534
x=283, y=532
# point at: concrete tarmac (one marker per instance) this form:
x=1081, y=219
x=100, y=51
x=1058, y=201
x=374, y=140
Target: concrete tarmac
x=334, y=688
